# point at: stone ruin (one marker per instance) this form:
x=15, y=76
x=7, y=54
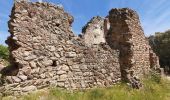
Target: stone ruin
x=45, y=52
x=93, y=32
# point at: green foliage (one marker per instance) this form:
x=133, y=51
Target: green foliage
x=160, y=43
x=4, y=52
x=155, y=77
x=152, y=90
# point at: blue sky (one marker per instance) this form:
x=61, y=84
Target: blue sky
x=154, y=14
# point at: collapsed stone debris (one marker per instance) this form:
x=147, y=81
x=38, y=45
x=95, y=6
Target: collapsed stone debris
x=45, y=52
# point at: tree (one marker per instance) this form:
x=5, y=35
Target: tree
x=4, y=52
x=160, y=42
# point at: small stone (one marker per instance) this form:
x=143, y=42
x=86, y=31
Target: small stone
x=103, y=71
x=16, y=89
x=63, y=77
x=53, y=58
x=57, y=55
x=60, y=72
x=47, y=62
x=36, y=70
x=33, y=64
x=53, y=82
x=86, y=74
x=114, y=81
x=99, y=83
x=15, y=38
x=69, y=62
x=1, y=67
x=24, y=11
x=78, y=73
x=60, y=49
x=75, y=67
x=51, y=48
x=26, y=70
x=9, y=79
x=42, y=76
x=23, y=77
x=119, y=79
x=16, y=79
x=36, y=39
x=69, y=42
x=73, y=86
x=29, y=88
x=83, y=67
x=49, y=75
x=71, y=54
x=83, y=84
x=83, y=60
x=111, y=74
x=109, y=78
x=64, y=68
x=60, y=84
x=30, y=57
x=26, y=53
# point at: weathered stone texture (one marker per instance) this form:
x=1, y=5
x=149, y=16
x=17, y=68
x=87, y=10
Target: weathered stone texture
x=45, y=52
x=93, y=32
x=127, y=35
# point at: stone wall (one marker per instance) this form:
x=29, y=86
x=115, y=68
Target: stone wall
x=44, y=51
x=93, y=32
x=127, y=35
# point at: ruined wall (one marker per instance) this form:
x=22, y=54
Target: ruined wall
x=45, y=52
x=93, y=32
x=127, y=35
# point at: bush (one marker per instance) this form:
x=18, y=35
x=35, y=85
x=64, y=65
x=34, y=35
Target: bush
x=155, y=77
x=4, y=52
x=160, y=43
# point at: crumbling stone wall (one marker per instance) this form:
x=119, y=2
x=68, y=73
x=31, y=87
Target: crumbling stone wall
x=106, y=26
x=127, y=35
x=45, y=52
x=93, y=32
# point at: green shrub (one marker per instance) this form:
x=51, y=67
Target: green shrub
x=4, y=52
x=154, y=77
x=160, y=43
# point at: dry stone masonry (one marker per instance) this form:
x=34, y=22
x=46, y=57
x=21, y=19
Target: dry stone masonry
x=127, y=35
x=45, y=52
x=93, y=32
